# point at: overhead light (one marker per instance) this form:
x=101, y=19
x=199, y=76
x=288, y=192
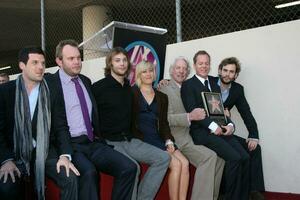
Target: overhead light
x=7, y=67
x=287, y=4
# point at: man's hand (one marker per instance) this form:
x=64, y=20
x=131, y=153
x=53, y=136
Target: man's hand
x=8, y=168
x=218, y=131
x=252, y=144
x=170, y=148
x=197, y=114
x=65, y=162
x=227, y=112
x=163, y=82
x=229, y=130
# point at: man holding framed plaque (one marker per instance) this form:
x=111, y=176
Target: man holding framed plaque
x=208, y=133
x=233, y=95
x=214, y=107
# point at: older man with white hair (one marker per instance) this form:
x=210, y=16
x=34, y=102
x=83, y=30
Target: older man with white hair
x=209, y=167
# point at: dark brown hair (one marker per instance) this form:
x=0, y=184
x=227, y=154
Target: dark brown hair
x=24, y=53
x=109, y=57
x=231, y=60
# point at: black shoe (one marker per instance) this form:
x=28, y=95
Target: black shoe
x=256, y=195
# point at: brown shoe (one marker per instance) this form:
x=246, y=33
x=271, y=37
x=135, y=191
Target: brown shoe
x=256, y=195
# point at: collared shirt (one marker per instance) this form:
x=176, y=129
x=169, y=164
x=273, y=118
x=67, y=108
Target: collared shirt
x=72, y=104
x=179, y=85
x=33, y=97
x=213, y=125
x=224, y=92
x=203, y=80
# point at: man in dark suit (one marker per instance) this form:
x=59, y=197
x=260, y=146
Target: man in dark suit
x=233, y=95
x=24, y=133
x=208, y=133
x=90, y=152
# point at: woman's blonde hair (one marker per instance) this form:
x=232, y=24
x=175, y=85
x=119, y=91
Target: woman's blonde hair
x=142, y=66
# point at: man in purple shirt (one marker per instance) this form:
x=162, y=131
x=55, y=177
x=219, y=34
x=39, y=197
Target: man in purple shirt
x=90, y=152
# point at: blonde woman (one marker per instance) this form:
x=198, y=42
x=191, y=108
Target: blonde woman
x=151, y=125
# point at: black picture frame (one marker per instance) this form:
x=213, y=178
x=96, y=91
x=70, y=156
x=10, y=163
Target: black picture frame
x=214, y=108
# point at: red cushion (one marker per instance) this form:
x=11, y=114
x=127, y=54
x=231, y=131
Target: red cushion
x=106, y=182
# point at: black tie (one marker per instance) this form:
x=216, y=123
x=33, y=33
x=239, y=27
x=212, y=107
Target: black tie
x=206, y=86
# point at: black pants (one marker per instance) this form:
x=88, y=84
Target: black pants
x=68, y=185
x=16, y=191
x=90, y=158
x=256, y=170
x=236, y=171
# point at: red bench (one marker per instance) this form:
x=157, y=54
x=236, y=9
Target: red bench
x=106, y=182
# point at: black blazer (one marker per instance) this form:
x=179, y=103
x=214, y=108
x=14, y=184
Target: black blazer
x=60, y=128
x=237, y=98
x=7, y=120
x=162, y=105
x=191, y=97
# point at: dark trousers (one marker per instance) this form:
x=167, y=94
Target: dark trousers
x=236, y=171
x=256, y=170
x=68, y=185
x=16, y=191
x=90, y=158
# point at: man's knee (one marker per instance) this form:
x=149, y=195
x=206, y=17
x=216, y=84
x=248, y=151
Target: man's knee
x=130, y=168
x=10, y=190
x=165, y=158
x=72, y=179
x=212, y=157
x=67, y=182
x=245, y=158
x=256, y=151
x=233, y=156
x=89, y=176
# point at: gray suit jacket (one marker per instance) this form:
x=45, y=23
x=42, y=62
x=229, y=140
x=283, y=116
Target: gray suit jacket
x=177, y=116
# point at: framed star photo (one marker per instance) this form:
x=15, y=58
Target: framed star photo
x=214, y=108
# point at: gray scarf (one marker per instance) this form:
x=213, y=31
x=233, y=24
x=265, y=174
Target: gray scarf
x=23, y=132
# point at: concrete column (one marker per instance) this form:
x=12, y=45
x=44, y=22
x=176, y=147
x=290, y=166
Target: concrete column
x=93, y=18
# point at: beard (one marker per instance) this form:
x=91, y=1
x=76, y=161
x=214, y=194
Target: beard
x=225, y=82
x=124, y=74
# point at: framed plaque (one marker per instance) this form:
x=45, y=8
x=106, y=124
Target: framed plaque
x=214, y=107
